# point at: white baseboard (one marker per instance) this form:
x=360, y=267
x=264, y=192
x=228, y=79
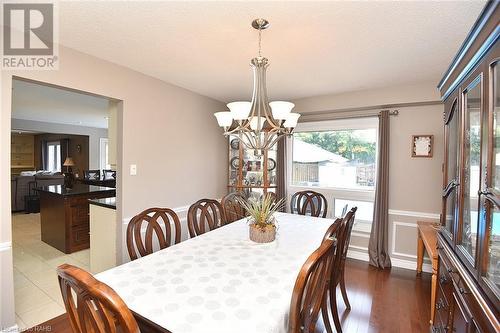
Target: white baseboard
x=396, y=262
x=5, y=246
x=12, y=329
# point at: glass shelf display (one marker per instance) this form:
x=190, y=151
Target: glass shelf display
x=253, y=175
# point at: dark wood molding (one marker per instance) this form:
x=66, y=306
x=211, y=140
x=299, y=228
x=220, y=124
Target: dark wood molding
x=481, y=38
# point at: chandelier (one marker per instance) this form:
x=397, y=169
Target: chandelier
x=259, y=124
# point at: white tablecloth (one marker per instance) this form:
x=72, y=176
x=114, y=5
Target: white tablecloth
x=220, y=281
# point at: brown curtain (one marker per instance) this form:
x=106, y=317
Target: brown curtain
x=281, y=171
x=378, y=245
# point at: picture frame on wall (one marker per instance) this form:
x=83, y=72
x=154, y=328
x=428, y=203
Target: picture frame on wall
x=422, y=145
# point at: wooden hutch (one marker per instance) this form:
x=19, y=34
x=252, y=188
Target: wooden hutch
x=249, y=173
x=469, y=239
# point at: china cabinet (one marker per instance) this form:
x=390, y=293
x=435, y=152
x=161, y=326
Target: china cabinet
x=469, y=238
x=249, y=173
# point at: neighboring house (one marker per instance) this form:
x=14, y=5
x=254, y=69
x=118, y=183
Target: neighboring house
x=313, y=165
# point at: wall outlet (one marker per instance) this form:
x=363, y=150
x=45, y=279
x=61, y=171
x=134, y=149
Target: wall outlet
x=133, y=169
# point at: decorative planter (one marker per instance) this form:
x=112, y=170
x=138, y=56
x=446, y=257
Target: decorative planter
x=262, y=235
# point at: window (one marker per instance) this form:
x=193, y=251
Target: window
x=104, y=154
x=338, y=159
x=54, y=156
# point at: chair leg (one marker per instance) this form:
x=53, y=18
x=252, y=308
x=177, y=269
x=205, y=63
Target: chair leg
x=335, y=311
x=344, y=292
x=324, y=313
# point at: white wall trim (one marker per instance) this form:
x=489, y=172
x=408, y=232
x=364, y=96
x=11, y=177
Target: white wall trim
x=182, y=209
x=393, y=245
x=363, y=256
x=12, y=329
x=411, y=265
x=359, y=234
x=177, y=210
x=414, y=214
x=362, y=248
x=5, y=246
x=396, y=262
x=400, y=254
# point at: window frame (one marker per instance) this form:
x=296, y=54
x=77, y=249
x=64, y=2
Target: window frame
x=103, y=142
x=332, y=193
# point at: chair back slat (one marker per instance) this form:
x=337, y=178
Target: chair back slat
x=97, y=308
x=205, y=215
x=349, y=223
x=233, y=210
x=162, y=228
x=309, y=293
x=309, y=203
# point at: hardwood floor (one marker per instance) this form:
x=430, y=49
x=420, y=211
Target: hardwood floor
x=388, y=301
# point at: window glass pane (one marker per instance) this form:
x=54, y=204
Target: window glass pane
x=58, y=158
x=450, y=211
x=453, y=144
x=493, y=233
x=51, y=153
x=337, y=159
x=364, y=212
x=496, y=129
x=493, y=241
x=472, y=152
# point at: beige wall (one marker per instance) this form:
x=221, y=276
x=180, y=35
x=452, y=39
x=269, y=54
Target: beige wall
x=415, y=183
x=422, y=92
x=169, y=132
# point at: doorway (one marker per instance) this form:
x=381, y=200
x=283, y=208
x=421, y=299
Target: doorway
x=55, y=148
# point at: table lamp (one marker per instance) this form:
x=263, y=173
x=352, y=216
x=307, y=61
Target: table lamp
x=68, y=175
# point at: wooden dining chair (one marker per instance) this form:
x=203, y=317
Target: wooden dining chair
x=337, y=273
x=310, y=290
x=309, y=203
x=205, y=215
x=334, y=230
x=92, y=306
x=163, y=229
x=233, y=210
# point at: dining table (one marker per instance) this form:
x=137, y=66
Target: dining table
x=220, y=281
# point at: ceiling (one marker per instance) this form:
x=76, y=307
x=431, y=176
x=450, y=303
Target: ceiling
x=314, y=47
x=33, y=101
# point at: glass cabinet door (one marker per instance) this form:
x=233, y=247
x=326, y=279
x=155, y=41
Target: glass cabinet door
x=472, y=99
x=491, y=263
x=451, y=181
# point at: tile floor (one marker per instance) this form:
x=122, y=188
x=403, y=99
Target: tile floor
x=37, y=294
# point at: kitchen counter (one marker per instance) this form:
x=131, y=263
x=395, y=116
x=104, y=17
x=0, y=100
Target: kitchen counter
x=104, y=202
x=64, y=214
x=78, y=189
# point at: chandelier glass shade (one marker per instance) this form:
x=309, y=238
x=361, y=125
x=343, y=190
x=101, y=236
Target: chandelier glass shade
x=259, y=124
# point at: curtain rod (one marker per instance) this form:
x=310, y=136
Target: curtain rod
x=353, y=112
x=337, y=115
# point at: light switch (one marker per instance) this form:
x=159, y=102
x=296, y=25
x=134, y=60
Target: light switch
x=133, y=169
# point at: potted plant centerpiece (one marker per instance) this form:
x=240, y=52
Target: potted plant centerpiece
x=261, y=217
